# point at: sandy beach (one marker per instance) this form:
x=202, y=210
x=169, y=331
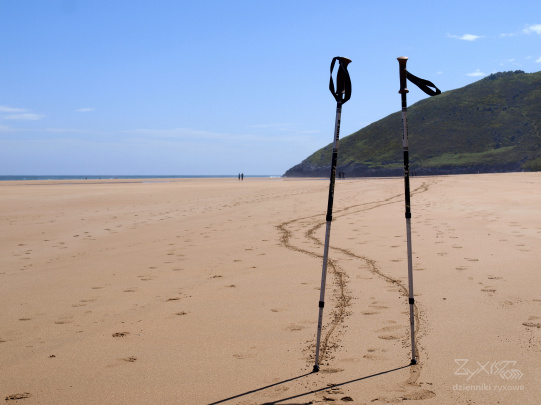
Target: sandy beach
x=205, y=291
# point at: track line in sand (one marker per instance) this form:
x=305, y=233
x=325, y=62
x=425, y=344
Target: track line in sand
x=342, y=297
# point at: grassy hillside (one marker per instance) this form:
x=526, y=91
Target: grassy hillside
x=492, y=125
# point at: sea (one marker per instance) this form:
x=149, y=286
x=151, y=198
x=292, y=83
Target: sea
x=122, y=177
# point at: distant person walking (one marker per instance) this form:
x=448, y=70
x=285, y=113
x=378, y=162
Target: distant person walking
x=239, y=176
x=242, y=176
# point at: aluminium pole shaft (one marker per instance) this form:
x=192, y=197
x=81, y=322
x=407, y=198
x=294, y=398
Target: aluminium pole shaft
x=328, y=218
x=411, y=300
x=341, y=94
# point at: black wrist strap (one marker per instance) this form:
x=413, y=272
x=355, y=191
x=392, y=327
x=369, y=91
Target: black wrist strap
x=343, y=85
x=424, y=85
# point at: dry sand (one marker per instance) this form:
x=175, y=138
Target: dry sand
x=206, y=291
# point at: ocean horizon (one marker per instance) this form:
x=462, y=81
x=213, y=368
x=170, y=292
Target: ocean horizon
x=120, y=177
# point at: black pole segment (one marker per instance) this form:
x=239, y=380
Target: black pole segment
x=334, y=161
x=407, y=182
x=341, y=94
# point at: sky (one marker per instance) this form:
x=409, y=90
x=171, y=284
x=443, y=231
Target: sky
x=218, y=87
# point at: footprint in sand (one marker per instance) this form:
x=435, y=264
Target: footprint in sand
x=418, y=395
x=489, y=289
x=533, y=322
x=332, y=370
x=120, y=334
x=243, y=356
x=294, y=328
x=389, y=328
x=375, y=354
x=63, y=321
x=16, y=397
x=378, y=306
x=388, y=337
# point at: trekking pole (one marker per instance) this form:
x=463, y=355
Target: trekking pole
x=424, y=86
x=341, y=95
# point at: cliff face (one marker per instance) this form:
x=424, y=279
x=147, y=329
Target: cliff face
x=492, y=125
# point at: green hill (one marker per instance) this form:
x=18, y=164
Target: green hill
x=492, y=125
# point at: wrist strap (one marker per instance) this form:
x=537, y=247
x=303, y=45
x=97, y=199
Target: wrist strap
x=424, y=85
x=343, y=85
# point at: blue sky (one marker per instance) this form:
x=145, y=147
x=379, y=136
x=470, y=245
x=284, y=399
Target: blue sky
x=219, y=87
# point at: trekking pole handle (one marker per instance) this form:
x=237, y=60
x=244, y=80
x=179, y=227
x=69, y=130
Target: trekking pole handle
x=402, y=60
x=343, y=81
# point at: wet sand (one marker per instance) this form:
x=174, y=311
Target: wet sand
x=199, y=291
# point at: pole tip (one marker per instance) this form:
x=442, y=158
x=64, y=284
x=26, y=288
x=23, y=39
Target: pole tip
x=413, y=362
x=316, y=369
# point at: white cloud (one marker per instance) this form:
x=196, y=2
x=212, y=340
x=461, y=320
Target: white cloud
x=538, y=60
x=465, y=37
x=85, y=109
x=24, y=117
x=510, y=61
x=6, y=109
x=512, y=34
x=536, y=28
x=477, y=73
x=18, y=114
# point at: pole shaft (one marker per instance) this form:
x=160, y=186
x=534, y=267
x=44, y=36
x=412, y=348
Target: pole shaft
x=403, y=92
x=407, y=194
x=328, y=229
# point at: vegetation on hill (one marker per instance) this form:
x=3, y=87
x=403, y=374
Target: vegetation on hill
x=492, y=125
